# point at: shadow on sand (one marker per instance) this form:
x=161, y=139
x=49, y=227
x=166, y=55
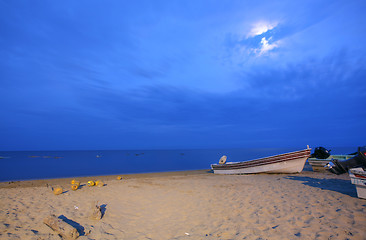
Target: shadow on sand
x=76, y=225
x=336, y=185
x=103, y=208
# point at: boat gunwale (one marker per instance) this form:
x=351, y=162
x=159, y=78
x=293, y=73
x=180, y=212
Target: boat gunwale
x=331, y=157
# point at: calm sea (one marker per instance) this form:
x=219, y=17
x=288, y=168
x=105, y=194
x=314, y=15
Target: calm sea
x=26, y=165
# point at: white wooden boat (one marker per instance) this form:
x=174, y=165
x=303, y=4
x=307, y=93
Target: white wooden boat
x=318, y=165
x=358, y=177
x=292, y=162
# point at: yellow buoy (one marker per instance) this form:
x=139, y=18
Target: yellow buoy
x=91, y=183
x=57, y=190
x=73, y=181
x=74, y=187
x=99, y=183
x=119, y=177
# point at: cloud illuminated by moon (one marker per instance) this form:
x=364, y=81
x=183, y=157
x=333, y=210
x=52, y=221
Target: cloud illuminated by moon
x=266, y=43
x=266, y=46
x=260, y=28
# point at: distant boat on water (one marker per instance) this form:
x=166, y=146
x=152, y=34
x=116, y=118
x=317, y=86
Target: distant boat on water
x=292, y=162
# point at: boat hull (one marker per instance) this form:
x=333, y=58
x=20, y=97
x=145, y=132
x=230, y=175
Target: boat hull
x=318, y=165
x=358, y=178
x=283, y=163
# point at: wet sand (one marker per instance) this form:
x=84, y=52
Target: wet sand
x=189, y=205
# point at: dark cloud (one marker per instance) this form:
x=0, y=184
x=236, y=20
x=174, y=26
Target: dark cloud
x=302, y=104
x=332, y=75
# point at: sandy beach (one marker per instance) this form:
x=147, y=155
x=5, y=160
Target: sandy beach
x=189, y=205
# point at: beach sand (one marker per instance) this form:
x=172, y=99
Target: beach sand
x=190, y=205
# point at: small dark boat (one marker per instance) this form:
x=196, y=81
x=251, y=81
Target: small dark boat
x=318, y=165
x=339, y=167
x=356, y=168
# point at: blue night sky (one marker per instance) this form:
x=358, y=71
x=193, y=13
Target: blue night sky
x=182, y=74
